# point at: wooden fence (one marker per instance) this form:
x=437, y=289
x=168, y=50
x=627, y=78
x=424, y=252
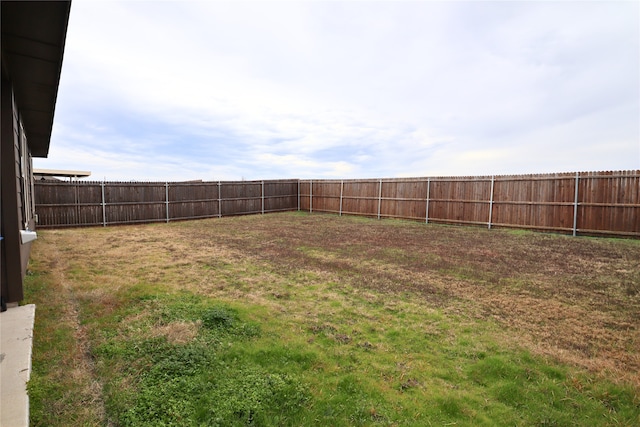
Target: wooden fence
x=80, y=203
x=590, y=203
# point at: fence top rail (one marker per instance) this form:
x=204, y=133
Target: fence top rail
x=523, y=177
x=260, y=181
x=479, y=178
x=163, y=183
x=51, y=182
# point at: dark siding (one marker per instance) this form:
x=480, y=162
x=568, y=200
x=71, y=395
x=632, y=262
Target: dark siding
x=14, y=255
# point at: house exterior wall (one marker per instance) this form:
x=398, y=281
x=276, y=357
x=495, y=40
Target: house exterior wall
x=33, y=39
x=16, y=197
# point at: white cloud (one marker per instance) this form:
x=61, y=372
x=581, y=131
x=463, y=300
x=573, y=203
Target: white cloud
x=225, y=90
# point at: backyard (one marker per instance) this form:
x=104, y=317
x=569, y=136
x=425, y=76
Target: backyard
x=313, y=319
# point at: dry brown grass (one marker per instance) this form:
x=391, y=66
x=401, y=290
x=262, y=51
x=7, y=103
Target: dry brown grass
x=179, y=332
x=574, y=299
x=79, y=368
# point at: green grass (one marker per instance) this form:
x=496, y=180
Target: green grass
x=298, y=348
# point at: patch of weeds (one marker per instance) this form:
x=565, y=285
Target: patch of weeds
x=215, y=394
x=201, y=384
x=250, y=396
x=180, y=361
x=218, y=318
x=112, y=349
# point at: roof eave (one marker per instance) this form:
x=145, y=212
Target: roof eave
x=33, y=41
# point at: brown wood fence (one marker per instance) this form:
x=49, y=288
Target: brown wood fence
x=590, y=203
x=81, y=203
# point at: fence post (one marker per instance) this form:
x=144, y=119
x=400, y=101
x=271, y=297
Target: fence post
x=491, y=201
x=379, y=197
x=298, y=195
x=219, y=201
x=166, y=197
x=341, y=192
x=426, y=219
x=310, y=196
x=104, y=214
x=262, y=190
x=575, y=206
x=77, y=203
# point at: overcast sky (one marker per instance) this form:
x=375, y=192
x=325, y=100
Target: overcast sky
x=157, y=90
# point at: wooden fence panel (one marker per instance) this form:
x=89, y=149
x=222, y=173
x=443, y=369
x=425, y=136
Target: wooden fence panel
x=326, y=196
x=135, y=213
x=138, y=193
x=463, y=200
x=305, y=196
x=604, y=203
x=609, y=202
x=193, y=200
x=360, y=197
x=405, y=199
x=580, y=203
x=241, y=197
x=127, y=203
x=542, y=202
x=280, y=195
x=73, y=203
x=193, y=210
x=64, y=204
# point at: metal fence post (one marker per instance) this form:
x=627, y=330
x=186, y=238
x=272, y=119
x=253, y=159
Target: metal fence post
x=104, y=213
x=219, y=201
x=426, y=219
x=341, y=192
x=575, y=206
x=166, y=195
x=491, y=201
x=76, y=200
x=379, y=198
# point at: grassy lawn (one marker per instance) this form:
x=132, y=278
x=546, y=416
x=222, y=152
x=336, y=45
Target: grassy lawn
x=298, y=319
